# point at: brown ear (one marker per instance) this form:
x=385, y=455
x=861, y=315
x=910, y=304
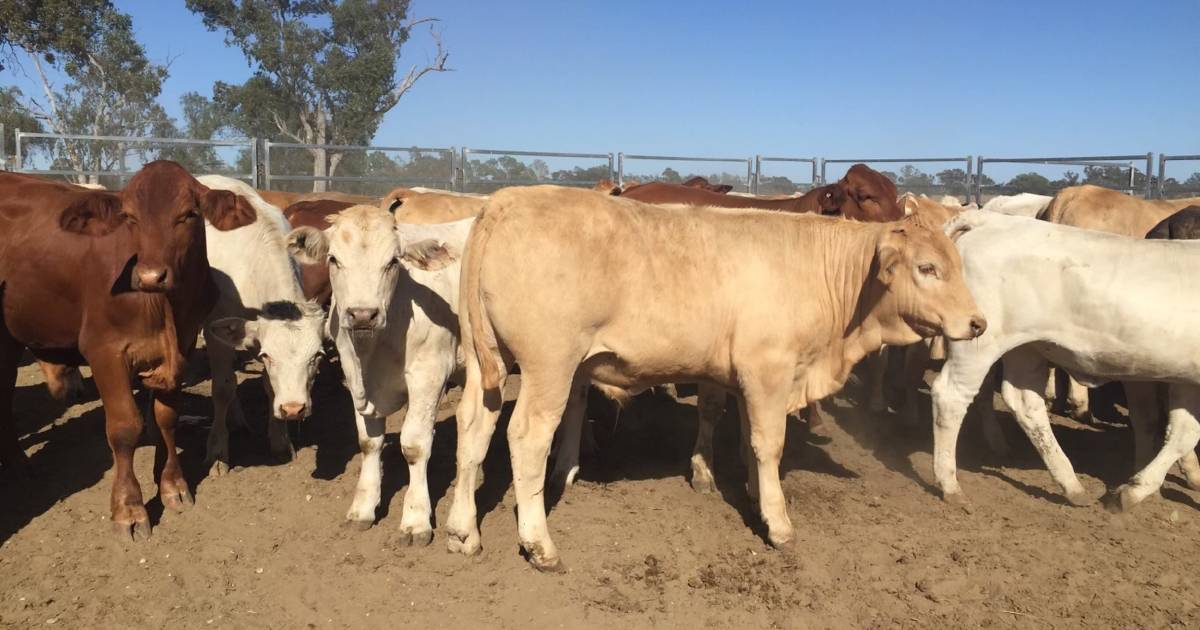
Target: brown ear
x=92, y=214
x=427, y=255
x=225, y=210
x=721, y=188
x=888, y=256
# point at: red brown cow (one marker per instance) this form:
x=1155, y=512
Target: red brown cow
x=121, y=281
x=863, y=195
x=314, y=279
x=704, y=184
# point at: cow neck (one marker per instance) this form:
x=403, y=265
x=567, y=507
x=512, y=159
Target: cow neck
x=273, y=276
x=847, y=253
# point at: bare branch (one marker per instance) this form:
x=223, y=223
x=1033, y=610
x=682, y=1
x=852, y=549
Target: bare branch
x=414, y=74
x=283, y=128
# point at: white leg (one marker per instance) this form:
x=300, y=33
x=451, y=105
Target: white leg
x=1077, y=401
x=539, y=409
x=765, y=410
x=569, y=437
x=1024, y=373
x=1052, y=386
x=416, y=443
x=476, y=418
x=1189, y=465
x=1183, y=432
x=224, y=394
x=710, y=407
x=370, y=475
x=952, y=392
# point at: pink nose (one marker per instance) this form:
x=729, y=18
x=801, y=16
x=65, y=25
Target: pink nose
x=152, y=278
x=292, y=411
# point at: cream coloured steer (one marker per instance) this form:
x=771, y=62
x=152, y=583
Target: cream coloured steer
x=576, y=286
x=1101, y=306
x=393, y=318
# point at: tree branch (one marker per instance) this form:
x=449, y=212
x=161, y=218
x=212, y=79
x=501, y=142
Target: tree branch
x=414, y=74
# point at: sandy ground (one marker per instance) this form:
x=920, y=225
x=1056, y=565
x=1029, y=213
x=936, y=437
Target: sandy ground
x=264, y=546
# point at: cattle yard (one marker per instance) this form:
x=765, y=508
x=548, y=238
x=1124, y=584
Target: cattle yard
x=265, y=546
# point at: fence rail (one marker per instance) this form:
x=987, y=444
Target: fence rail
x=457, y=172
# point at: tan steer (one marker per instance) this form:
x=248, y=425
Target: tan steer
x=577, y=286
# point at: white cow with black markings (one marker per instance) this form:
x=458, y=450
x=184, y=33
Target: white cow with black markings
x=1101, y=306
x=262, y=308
x=394, y=320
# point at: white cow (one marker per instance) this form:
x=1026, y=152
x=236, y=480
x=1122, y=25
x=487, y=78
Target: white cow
x=1101, y=306
x=1021, y=205
x=261, y=306
x=394, y=319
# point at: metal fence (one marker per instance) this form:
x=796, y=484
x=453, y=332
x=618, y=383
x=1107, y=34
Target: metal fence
x=472, y=179
x=442, y=173
x=1093, y=160
x=110, y=155
x=963, y=188
x=758, y=187
x=1184, y=190
x=622, y=158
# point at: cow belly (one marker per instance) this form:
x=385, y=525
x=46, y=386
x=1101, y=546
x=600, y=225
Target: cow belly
x=1093, y=367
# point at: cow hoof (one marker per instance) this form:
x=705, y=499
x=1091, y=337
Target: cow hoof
x=703, y=483
x=218, y=469
x=283, y=455
x=465, y=543
x=954, y=498
x=541, y=560
x=177, y=500
x=1079, y=499
x=416, y=538
x=1122, y=499
x=137, y=531
x=782, y=540
x=358, y=525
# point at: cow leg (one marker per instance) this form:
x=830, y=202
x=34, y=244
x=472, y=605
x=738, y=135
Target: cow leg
x=1024, y=373
x=952, y=392
x=566, y=458
x=416, y=443
x=710, y=406
x=1142, y=398
x=224, y=396
x=123, y=426
x=12, y=456
x=1052, y=386
x=476, y=418
x=1077, y=401
x=876, y=370
x=172, y=487
x=748, y=459
x=370, y=475
x=1183, y=432
x=544, y=397
x=1189, y=465
x=815, y=416
x=765, y=413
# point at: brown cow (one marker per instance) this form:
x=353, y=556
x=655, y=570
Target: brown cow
x=314, y=278
x=704, y=184
x=1183, y=225
x=120, y=281
x=281, y=199
x=576, y=286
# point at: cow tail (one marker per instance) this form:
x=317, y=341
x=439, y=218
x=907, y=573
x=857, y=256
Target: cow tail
x=483, y=336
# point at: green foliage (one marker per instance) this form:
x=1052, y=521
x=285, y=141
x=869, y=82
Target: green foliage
x=14, y=115
x=51, y=27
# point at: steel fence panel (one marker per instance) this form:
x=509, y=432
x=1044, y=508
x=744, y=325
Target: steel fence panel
x=758, y=170
x=966, y=160
x=1087, y=160
x=622, y=157
x=1163, y=158
x=469, y=183
x=445, y=179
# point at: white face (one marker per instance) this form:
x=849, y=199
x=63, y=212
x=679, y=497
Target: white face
x=289, y=339
x=363, y=268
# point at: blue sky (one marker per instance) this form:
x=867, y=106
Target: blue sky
x=783, y=78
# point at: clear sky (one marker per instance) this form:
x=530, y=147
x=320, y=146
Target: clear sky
x=775, y=77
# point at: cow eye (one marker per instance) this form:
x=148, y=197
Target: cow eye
x=264, y=357
x=392, y=264
x=928, y=270
x=190, y=215
x=129, y=218
x=334, y=262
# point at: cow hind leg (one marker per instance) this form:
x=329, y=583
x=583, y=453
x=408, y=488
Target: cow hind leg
x=476, y=418
x=1183, y=432
x=544, y=397
x=710, y=406
x=1024, y=374
x=12, y=456
x=955, y=387
x=569, y=437
x=416, y=444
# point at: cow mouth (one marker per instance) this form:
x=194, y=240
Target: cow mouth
x=924, y=330
x=362, y=333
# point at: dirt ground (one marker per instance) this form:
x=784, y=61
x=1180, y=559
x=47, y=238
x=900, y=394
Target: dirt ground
x=264, y=546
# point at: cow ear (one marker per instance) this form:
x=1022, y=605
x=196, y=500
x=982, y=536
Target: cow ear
x=226, y=211
x=428, y=255
x=235, y=332
x=92, y=214
x=308, y=245
x=888, y=256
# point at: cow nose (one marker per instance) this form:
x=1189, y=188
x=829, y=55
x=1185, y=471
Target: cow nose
x=153, y=278
x=292, y=411
x=363, y=317
x=978, y=325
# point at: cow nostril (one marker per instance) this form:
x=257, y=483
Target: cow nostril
x=292, y=411
x=363, y=316
x=978, y=326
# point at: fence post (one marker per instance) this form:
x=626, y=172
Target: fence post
x=1162, y=173
x=462, y=169
x=979, y=180
x=757, y=173
x=750, y=176
x=968, y=191
x=266, y=174
x=121, y=175
x=3, y=153
x=612, y=174
x=254, y=172
x=1149, y=166
x=17, y=161
x=621, y=169
x=822, y=182
x=453, y=183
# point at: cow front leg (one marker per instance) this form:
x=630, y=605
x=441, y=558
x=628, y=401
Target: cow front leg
x=570, y=437
x=416, y=444
x=710, y=406
x=12, y=456
x=1183, y=432
x=765, y=414
x=370, y=474
x=1024, y=374
x=172, y=487
x=123, y=427
x=952, y=392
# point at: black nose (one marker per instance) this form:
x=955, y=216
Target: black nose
x=363, y=317
x=978, y=325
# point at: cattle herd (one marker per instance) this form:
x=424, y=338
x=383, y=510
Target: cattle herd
x=617, y=289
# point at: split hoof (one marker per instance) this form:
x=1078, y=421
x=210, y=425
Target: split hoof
x=137, y=531
x=465, y=543
x=177, y=500
x=218, y=469
x=542, y=561
x=1079, y=499
x=1121, y=499
x=283, y=455
x=782, y=540
x=956, y=498
x=703, y=483
x=358, y=525
x=563, y=478
x=415, y=538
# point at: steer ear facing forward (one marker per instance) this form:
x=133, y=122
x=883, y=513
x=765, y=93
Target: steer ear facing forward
x=888, y=255
x=308, y=245
x=428, y=255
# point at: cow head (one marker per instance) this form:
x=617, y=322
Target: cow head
x=364, y=252
x=923, y=291
x=289, y=338
x=867, y=195
x=164, y=209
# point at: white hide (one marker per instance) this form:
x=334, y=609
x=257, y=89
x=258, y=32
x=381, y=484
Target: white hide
x=1021, y=205
x=1101, y=306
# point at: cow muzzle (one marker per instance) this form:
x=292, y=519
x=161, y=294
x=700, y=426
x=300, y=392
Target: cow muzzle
x=292, y=411
x=152, y=278
x=974, y=327
x=362, y=319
